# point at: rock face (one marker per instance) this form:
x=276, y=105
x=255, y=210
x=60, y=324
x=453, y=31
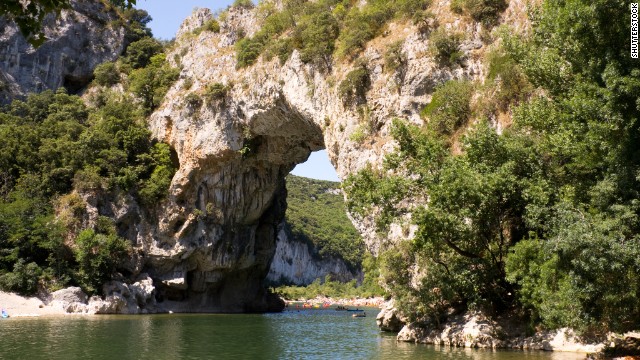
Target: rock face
x=294, y=263
x=210, y=244
x=71, y=300
x=389, y=318
x=79, y=40
x=476, y=330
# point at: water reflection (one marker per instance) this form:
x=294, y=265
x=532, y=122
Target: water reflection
x=307, y=334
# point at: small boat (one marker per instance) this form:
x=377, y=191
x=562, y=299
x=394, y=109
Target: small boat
x=354, y=310
x=360, y=314
x=341, y=308
x=4, y=314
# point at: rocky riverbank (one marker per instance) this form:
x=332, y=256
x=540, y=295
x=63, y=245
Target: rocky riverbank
x=476, y=330
x=377, y=301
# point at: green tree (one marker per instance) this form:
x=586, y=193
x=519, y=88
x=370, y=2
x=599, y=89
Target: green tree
x=151, y=83
x=98, y=256
x=106, y=74
x=139, y=53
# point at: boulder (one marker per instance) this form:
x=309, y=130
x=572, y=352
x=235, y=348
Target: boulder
x=71, y=300
x=122, y=298
x=389, y=318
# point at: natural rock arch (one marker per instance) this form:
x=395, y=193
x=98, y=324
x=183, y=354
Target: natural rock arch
x=213, y=239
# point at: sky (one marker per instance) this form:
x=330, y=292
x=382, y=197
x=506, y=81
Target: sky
x=168, y=15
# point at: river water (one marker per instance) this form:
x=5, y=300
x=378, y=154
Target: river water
x=304, y=334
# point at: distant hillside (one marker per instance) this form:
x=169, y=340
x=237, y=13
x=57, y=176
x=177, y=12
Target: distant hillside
x=316, y=214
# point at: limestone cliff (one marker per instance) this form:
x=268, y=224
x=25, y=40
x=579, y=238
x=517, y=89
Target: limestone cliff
x=295, y=263
x=209, y=245
x=78, y=40
x=214, y=238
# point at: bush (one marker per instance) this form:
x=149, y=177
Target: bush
x=98, y=256
x=23, y=279
x=193, y=100
x=425, y=21
x=352, y=90
x=410, y=7
x=211, y=25
x=446, y=46
x=106, y=74
x=358, y=29
x=152, y=82
x=247, y=51
x=315, y=36
x=358, y=135
x=513, y=84
x=282, y=48
x=216, y=91
x=394, y=57
x=449, y=107
x=484, y=11
x=457, y=6
x=139, y=53
x=246, y=4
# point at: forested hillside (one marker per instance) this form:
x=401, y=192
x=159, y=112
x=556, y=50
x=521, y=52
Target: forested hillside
x=316, y=215
x=541, y=216
x=58, y=150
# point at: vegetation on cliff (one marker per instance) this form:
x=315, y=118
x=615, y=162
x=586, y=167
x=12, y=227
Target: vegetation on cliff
x=30, y=17
x=321, y=29
x=56, y=152
x=542, y=219
x=316, y=215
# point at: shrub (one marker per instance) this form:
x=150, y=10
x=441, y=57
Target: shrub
x=353, y=88
x=216, y=91
x=446, y=46
x=457, y=6
x=282, y=48
x=246, y=4
x=484, y=11
x=449, y=107
x=315, y=37
x=211, y=25
x=193, y=100
x=139, y=53
x=425, y=21
x=187, y=83
x=23, y=279
x=394, y=58
x=410, y=7
x=106, y=74
x=247, y=51
x=358, y=135
x=513, y=84
x=98, y=256
x=358, y=29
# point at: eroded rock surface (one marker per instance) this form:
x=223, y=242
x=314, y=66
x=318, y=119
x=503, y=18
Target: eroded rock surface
x=389, y=318
x=79, y=39
x=209, y=245
x=476, y=330
x=294, y=263
x=211, y=242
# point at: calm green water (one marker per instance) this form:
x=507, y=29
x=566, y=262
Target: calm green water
x=307, y=334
